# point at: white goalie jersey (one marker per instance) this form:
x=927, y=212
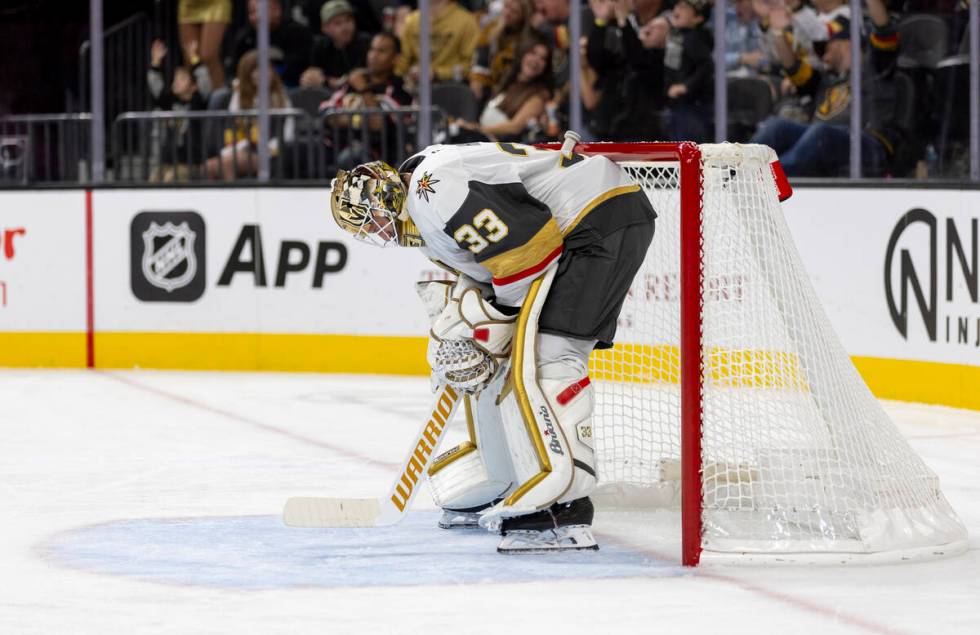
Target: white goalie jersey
x=499, y=212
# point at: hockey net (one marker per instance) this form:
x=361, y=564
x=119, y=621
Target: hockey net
x=723, y=339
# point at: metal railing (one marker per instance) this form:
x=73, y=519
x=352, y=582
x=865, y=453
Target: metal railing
x=358, y=135
x=126, y=49
x=202, y=146
x=160, y=147
x=44, y=148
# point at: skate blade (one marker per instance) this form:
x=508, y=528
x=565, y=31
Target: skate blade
x=443, y=525
x=533, y=550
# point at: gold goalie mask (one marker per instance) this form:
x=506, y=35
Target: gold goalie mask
x=369, y=203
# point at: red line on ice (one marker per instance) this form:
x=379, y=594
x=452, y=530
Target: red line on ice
x=265, y=427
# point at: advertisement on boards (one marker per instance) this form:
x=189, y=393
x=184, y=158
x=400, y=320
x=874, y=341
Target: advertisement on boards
x=42, y=262
x=245, y=261
x=896, y=270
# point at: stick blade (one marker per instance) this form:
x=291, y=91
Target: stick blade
x=304, y=511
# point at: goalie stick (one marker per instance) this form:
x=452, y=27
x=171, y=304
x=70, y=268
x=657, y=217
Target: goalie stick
x=304, y=511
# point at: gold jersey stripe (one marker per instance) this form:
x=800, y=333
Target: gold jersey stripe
x=602, y=198
x=513, y=261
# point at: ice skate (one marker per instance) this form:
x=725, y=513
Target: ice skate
x=568, y=538
x=561, y=527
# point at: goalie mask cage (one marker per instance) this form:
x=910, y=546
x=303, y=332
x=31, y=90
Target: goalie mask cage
x=729, y=387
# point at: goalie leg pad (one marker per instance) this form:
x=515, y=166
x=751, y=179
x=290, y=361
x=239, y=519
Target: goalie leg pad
x=477, y=473
x=459, y=480
x=546, y=410
x=563, y=375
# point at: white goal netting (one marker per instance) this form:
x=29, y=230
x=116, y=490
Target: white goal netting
x=797, y=454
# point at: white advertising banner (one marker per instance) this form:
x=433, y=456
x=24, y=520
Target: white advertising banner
x=246, y=261
x=42, y=261
x=896, y=269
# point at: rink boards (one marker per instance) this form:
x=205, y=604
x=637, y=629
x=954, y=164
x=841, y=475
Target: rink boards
x=261, y=279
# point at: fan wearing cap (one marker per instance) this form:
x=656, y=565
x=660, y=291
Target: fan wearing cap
x=689, y=72
x=821, y=147
x=338, y=50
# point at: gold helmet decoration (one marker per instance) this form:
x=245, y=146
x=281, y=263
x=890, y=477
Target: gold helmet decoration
x=369, y=203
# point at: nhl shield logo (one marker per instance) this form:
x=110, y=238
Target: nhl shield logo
x=168, y=255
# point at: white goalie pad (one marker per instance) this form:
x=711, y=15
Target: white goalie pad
x=477, y=472
x=463, y=483
x=545, y=409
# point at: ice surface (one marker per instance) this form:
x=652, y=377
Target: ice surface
x=147, y=502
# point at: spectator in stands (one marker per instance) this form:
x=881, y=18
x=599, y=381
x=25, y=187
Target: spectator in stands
x=549, y=22
x=689, y=72
x=806, y=30
x=292, y=41
x=745, y=54
x=829, y=10
x=822, y=146
x=630, y=75
x=497, y=47
x=554, y=122
x=402, y=11
x=187, y=92
x=376, y=86
x=238, y=157
x=338, y=50
x=204, y=22
x=307, y=13
x=514, y=112
x=191, y=84
x=454, y=33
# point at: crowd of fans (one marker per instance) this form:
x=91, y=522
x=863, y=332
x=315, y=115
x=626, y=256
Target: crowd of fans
x=647, y=73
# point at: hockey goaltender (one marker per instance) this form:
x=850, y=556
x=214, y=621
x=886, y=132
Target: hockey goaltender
x=545, y=244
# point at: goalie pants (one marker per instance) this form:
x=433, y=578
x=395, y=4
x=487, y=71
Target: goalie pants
x=602, y=255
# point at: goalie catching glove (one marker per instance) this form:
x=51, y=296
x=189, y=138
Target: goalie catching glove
x=469, y=338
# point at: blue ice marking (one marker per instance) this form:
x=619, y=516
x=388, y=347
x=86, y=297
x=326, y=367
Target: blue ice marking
x=259, y=552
